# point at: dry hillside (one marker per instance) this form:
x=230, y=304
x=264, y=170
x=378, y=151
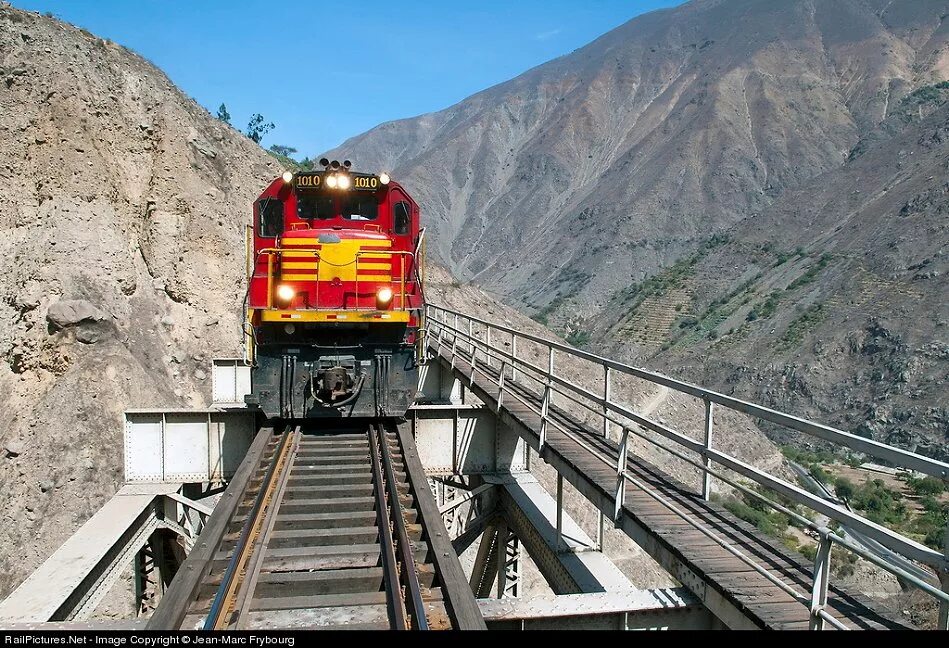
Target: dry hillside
x=121, y=211
x=597, y=192
x=122, y=206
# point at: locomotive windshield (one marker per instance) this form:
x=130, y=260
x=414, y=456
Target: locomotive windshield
x=325, y=206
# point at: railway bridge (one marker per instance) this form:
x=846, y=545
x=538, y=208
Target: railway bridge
x=491, y=505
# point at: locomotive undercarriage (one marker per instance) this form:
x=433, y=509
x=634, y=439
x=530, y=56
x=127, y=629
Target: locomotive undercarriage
x=333, y=370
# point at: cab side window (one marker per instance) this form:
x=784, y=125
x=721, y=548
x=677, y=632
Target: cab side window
x=270, y=217
x=401, y=218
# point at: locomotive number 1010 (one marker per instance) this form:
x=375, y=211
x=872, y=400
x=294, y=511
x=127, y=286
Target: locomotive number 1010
x=365, y=182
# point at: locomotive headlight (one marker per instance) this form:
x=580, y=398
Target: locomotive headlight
x=383, y=297
x=288, y=176
x=343, y=182
x=290, y=329
x=384, y=178
x=331, y=181
x=286, y=293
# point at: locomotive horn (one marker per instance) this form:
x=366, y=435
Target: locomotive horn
x=324, y=162
x=347, y=163
x=334, y=164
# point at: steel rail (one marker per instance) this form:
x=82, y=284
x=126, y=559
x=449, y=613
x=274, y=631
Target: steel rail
x=184, y=587
x=225, y=598
x=905, y=458
x=397, y=611
x=462, y=605
x=409, y=569
x=891, y=540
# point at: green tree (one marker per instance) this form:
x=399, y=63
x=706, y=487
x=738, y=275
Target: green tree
x=845, y=488
x=223, y=115
x=257, y=127
x=280, y=149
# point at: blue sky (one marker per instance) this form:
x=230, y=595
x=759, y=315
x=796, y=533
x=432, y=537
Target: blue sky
x=325, y=71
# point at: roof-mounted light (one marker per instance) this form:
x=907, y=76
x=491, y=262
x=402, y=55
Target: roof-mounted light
x=331, y=181
x=288, y=176
x=384, y=178
x=343, y=181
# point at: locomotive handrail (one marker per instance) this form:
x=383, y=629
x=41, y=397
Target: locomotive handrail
x=401, y=254
x=270, y=253
x=613, y=412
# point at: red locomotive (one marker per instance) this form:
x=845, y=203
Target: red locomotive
x=334, y=301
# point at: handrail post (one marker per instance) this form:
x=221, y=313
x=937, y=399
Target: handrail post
x=471, y=344
x=606, y=400
x=619, y=497
x=401, y=278
x=454, y=347
x=545, y=404
x=487, y=342
x=501, y=383
x=943, y=623
x=559, y=511
x=474, y=362
x=599, y=530
x=706, y=460
x=821, y=581
x=269, y=281
x=514, y=356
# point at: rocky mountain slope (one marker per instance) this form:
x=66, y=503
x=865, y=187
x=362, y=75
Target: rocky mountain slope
x=613, y=161
x=121, y=210
x=833, y=303
x=589, y=191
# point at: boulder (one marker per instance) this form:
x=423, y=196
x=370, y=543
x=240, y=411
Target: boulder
x=70, y=312
x=204, y=148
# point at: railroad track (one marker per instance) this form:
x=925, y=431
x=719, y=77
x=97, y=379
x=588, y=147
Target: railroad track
x=325, y=533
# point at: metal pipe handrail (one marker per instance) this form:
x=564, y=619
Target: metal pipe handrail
x=895, y=569
x=217, y=618
x=643, y=487
x=909, y=460
x=890, y=539
x=409, y=570
x=270, y=253
x=547, y=379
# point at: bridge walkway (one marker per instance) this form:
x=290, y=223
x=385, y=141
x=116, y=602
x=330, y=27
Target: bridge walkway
x=673, y=524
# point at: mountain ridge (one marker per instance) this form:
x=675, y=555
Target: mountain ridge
x=603, y=174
